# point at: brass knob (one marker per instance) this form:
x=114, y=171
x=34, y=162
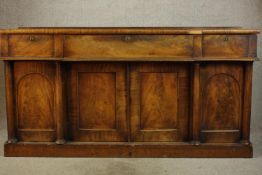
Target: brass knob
x=226, y=38
x=32, y=38
x=127, y=38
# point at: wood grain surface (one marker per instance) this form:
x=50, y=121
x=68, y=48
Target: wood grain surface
x=128, y=92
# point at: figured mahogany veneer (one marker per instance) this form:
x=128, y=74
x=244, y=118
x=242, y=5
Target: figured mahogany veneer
x=128, y=92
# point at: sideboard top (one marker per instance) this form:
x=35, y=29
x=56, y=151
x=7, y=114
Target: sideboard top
x=130, y=30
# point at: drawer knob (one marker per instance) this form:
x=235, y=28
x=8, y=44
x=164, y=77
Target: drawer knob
x=127, y=38
x=32, y=38
x=226, y=38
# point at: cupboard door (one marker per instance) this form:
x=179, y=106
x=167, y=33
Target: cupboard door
x=221, y=94
x=159, y=102
x=97, y=102
x=34, y=91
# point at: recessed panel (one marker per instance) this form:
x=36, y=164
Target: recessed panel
x=221, y=102
x=34, y=97
x=35, y=103
x=158, y=100
x=97, y=101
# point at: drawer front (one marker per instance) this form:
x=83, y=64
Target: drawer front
x=126, y=46
x=31, y=45
x=227, y=46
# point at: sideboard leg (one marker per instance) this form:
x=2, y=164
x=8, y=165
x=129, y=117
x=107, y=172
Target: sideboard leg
x=59, y=105
x=247, y=103
x=10, y=101
x=195, y=104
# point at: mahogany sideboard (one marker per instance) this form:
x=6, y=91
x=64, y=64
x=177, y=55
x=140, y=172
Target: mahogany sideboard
x=128, y=92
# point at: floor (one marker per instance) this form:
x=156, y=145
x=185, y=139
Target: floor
x=132, y=166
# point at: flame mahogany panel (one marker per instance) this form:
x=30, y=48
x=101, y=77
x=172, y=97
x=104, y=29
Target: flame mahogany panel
x=159, y=102
x=97, y=102
x=34, y=87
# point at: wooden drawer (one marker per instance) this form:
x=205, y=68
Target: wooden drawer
x=31, y=45
x=128, y=46
x=228, y=46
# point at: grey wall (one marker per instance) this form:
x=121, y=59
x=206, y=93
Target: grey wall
x=246, y=13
